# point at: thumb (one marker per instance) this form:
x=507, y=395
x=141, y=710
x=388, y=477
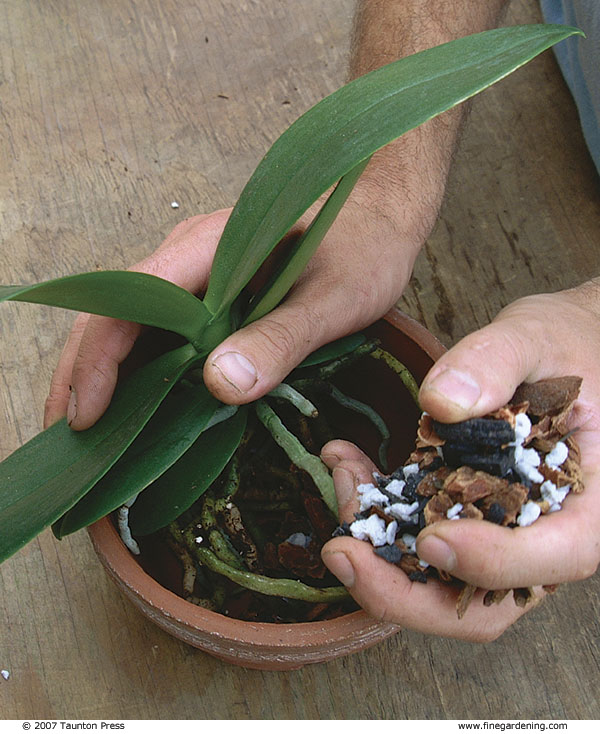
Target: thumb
x=255, y=359
x=483, y=370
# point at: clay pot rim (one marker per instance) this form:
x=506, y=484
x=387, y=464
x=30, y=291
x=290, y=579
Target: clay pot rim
x=149, y=594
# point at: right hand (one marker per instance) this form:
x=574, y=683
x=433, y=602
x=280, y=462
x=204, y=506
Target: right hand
x=534, y=338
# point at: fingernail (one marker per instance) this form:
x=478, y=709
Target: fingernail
x=457, y=387
x=72, y=407
x=345, y=485
x=330, y=459
x=339, y=565
x=437, y=552
x=237, y=370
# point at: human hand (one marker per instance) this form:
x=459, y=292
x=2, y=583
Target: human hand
x=534, y=338
x=348, y=284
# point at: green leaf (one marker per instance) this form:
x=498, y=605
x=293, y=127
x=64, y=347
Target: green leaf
x=333, y=350
x=122, y=295
x=350, y=125
x=290, y=270
x=49, y=474
x=177, y=423
x=181, y=485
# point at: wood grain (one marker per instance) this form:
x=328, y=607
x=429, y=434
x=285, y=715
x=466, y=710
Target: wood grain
x=109, y=112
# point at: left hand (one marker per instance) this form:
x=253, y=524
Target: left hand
x=534, y=338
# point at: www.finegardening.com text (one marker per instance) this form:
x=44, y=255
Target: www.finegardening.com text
x=513, y=725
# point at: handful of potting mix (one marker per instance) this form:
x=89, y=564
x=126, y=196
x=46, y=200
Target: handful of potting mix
x=508, y=467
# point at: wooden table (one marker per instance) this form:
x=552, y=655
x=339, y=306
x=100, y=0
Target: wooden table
x=109, y=112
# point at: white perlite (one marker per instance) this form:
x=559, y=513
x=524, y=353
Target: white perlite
x=395, y=488
x=370, y=496
x=5, y=674
x=530, y=512
x=410, y=469
x=410, y=542
x=375, y=528
x=402, y=510
x=558, y=455
x=454, y=511
x=526, y=462
x=174, y=205
x=522, y=427
x=553, y=494
x=372, y=529
x=390, y=532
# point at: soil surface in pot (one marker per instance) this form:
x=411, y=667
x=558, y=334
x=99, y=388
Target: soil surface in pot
x=277, y=523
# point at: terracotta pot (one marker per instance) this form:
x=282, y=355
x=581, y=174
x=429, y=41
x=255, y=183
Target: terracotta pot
x=285, y=646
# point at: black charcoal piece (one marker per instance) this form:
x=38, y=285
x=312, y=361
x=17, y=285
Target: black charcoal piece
x=499, y=463
x=422, y=502
x=514, y=477
x=389, y=553
x=341, y=530
x=476, y=432
x=418, y=576
x=434, y=464
x=409, y=491
x=496, y=513
x=381, y=481
x=412, y=528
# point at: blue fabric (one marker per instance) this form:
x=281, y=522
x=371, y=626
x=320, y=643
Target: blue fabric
x=579, y=60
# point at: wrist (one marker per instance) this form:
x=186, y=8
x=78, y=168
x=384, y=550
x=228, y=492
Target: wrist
x=404, y=182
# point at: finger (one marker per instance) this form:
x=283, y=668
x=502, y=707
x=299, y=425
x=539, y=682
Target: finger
x=103, y=346
x=255, y=359
x=60, y=386
x=186, y=255
x=483, y=370
x=86, y=376
x=349, y=467
x=559, y=547
x=386, y=593
x=477, y=375
x=337, y=450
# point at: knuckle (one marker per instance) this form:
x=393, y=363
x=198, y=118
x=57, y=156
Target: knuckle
x=380, y=609
x=587, y=564
x=485, y=570
x=283, y=338
x=129, y=332
x=183, y=228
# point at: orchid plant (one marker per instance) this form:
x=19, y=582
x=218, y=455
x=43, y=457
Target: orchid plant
x=165, y=438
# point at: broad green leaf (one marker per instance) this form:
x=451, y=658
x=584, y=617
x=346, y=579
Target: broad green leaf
x=49, y=474
x=350, y=125
x=177, y=423
x=145, y=299
x=290, y=270
x=178, y=488
x=333, y=350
